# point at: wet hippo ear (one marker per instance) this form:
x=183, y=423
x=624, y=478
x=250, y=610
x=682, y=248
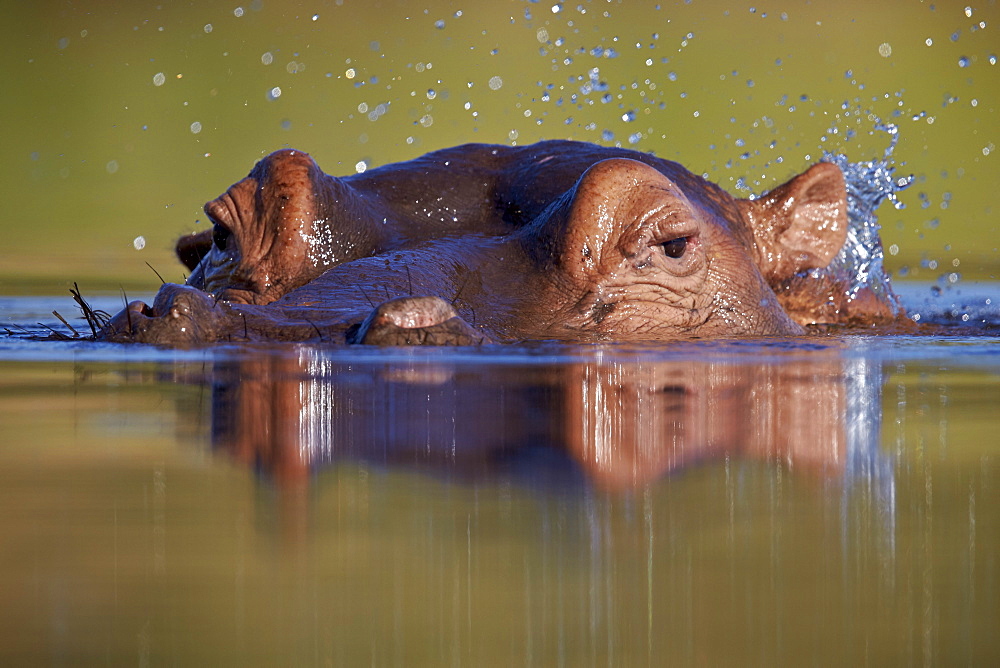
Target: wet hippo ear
x=191, y=248
x=799, y=225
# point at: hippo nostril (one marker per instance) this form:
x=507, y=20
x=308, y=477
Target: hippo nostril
x=142, y=308
x=675, y=248
x=220, y=236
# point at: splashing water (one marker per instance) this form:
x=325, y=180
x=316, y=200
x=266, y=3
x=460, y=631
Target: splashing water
x=860, y=261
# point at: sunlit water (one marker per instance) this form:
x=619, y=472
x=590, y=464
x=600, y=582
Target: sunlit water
x=869, y=183
x=822, y=501
x=828, y=500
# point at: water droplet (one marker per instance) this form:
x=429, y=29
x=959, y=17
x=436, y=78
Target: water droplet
x=195, y=127
x=431, y=93
x=360, y=166
x=495, y=83
x=208, y=27
x=139, y=242
x=238, y=12
x=885, y=49
x=629, y=116
x=112, y=166
x=159, y=79
x=274, y=93
x=439, y=24
x=963, y=62
x=267, y=58
x=315, y=17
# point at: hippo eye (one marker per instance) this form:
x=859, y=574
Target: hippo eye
x=675, y=248
x=220, y=236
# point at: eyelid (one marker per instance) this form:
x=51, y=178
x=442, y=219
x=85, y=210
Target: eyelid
x=671, y=224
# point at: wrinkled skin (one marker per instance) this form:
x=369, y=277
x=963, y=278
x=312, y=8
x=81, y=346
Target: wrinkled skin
x=628, y=251
x=288, y=222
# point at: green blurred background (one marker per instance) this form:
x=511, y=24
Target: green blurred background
x=120, y=119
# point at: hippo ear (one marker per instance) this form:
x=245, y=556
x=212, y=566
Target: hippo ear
x=192, y=247
x=799, y=225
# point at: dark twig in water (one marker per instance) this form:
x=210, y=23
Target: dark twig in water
x=54, y=333
x=128, y=312
x=95, y=319
x=157, y=273
x=246, y=336
x=63, y=321
x=409, y=281
x=22, y=330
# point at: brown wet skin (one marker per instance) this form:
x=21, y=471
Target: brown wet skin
x=287, y=222
x=631, y=250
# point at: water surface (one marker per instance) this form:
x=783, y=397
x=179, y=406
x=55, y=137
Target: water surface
x=825, y=500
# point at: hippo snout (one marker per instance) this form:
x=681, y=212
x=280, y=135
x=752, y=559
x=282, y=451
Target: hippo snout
x=179, y=315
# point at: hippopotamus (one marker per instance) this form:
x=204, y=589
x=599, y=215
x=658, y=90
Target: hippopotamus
x=557, y=240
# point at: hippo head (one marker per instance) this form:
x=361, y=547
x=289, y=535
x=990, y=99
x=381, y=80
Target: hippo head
x=638, y=255
x=271, y=232
x=628, y=252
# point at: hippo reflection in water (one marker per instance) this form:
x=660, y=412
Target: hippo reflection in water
x=558, y=240
x=617, y=425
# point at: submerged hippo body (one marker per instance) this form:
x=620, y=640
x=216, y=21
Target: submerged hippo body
x=559, y=240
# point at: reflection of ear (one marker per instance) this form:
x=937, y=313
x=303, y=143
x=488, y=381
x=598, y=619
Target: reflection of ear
x=192, y=247
x=801, y=224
